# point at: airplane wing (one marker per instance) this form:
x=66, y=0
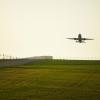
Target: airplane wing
x=87, y=39
x=72, y=38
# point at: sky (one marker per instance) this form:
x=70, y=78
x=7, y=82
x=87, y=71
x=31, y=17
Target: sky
x=40, y=27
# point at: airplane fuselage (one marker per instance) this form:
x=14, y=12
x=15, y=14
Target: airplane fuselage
x=80, y=38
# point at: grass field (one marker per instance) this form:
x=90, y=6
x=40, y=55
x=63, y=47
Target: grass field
x=50, y=82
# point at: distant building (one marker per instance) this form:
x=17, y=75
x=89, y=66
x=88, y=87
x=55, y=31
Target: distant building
x=41, y=57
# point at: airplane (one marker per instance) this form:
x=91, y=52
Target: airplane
x=80, y=39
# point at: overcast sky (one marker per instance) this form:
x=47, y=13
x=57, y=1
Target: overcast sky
x=39, y=27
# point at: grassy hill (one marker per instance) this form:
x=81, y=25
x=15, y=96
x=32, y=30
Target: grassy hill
x=51, y=80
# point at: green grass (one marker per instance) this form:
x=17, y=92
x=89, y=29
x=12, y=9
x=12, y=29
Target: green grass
x=50, y=82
